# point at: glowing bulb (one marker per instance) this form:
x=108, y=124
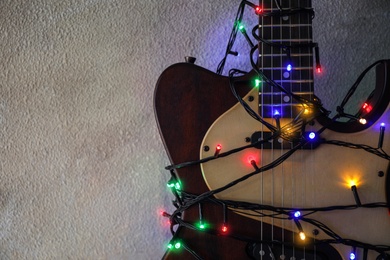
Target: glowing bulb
x=217, y=150
x=257, y=83
x=289, y=67
x=251, y=159
x=302, y=235
x=224, y=228
x=202, y=225
x=241, y=28
x=170, y=246
x=352, y=256
x=383, y=124
x=312, y=135
x=258, y=10
x=319, y=69
x=276, y=113
x=367, y=107
x=177, y=245
x=362, y=121
x=297, y=214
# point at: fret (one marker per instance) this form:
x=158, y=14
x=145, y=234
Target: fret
x=284, y=68
x=290, y=87
x=285, y=40
x=283, y=55
x=298, y=105
x=284, y=25
x=288, y=111
x=282, y=93
x=282, y=99
x=300, y=81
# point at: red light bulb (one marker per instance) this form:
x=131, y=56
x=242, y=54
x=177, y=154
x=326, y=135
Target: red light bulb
x=319, y=69
x=218, y=148
x=367, y=107
x=251, y=159
x=258, y=10
x=224, y=228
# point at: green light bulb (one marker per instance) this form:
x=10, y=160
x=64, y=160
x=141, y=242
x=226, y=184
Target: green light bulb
x=177, y=245
x=177, y=186
x=257, y=83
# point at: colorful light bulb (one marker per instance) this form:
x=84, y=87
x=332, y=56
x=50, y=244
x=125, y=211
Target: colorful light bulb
x=302, y=235
x=289, y=67
x=218, y=149
x=297, y=214
x=257, y=83
x=318, y=69
x=224, y=228
x=367, y=107
x=177, y=245
x=312, y=135
x=258, y=10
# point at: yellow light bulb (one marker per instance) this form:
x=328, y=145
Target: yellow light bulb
x=302, y=235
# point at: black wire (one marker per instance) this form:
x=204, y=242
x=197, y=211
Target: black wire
x=352, y=90
x=232, y=38
x=378, y=152
x=248, y=109
x=221, y=155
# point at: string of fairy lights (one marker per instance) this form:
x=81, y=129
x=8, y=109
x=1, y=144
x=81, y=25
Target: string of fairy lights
x=184, y=200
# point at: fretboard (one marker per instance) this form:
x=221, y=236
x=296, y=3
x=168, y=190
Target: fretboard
x=288, y=31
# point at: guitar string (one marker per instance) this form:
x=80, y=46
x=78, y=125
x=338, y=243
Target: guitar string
x=272, y=65
x=262, y=126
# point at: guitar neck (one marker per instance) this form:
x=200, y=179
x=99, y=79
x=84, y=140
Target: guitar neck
x=285, y=56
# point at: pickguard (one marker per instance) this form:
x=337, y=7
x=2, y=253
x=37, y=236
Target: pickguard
x=309, y=178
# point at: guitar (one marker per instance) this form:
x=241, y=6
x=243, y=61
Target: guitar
x=298, y=197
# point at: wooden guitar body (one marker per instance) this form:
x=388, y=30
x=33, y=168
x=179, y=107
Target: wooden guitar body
x=189, y=102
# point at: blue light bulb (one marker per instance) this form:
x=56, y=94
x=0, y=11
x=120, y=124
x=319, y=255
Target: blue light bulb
x=312, y=135
x=289, y=67
x=297, y=214
x=352, y=256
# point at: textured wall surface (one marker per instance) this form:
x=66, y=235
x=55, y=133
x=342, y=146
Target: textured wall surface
x=82, y=163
